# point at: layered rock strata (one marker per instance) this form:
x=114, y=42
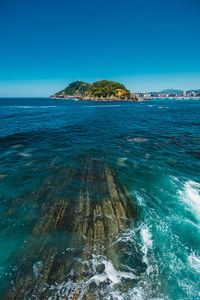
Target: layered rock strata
x=86, y=209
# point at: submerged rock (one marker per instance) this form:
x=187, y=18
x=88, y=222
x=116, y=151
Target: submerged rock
x=100, y=268
x=86, y=210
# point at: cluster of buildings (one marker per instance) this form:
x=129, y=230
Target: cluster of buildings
x=163, y=94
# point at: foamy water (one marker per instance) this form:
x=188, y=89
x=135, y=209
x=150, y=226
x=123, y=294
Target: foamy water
x=191, y=196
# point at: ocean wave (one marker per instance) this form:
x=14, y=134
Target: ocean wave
x=148, y=281
x=194, y=262
x=146, y=237
x=16, y=146
x=191, y=197
x=147, y=243
x=105, y=282
x=26, y=106
x=113, y=105
x=108, y=282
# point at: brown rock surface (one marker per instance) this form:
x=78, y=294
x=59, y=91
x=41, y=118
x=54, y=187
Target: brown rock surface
x=87, y=210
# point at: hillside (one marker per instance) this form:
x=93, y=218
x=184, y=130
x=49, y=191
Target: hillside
x=107, y=90
x=74, y=89
x=168, y=91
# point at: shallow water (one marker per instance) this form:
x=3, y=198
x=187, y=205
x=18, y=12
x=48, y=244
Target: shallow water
x=154, y=152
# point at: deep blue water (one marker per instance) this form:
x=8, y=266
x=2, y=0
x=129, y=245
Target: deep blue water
x=154, y=147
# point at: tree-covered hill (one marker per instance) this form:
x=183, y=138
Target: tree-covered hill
x=105, y=89
x=74, y=89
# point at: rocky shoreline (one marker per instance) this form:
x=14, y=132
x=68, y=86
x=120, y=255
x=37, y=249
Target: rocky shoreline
x=87, y=98
x=64, y=97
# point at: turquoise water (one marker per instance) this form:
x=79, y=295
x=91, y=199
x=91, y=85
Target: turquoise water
x=154, y=148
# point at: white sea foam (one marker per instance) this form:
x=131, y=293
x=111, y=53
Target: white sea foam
x=102, y=105
x=143, y=233
x=114, y=275
x=106, y=283
x=26, y=106
x=109, y=274
x=16, y=106
x=147, y=242
x=191, y=196
x=140, y=199
x=36, y=268
x=194, y=262
x=50, y=106
x=192, y=223
x=146, y=237
x=16, y=146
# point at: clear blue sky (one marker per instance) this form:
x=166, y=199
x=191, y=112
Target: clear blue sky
x=147, y=44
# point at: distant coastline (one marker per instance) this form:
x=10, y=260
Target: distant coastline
x=170, y=93
x=105, y=90
x=191, y=97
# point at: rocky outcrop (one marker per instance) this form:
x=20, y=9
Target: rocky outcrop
x=86, y=210
x=111, y=98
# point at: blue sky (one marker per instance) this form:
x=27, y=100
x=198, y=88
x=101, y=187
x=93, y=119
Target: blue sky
x=146, y=44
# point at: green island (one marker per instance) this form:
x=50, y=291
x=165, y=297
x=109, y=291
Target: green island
x=103, y=90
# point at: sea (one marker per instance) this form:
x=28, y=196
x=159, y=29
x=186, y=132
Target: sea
x=152, y=147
